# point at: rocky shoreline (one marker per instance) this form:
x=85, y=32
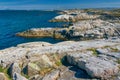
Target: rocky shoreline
x=42, y=61
x=91, y=50
x=94, y=27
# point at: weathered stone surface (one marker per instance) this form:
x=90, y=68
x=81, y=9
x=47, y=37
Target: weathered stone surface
x=17, y=76
x=2, y=76
x=37, y=65
x=36, y=77
x=102, y=51
x=52, y=76
x=32, y=69
x=18, y=54
x=34, y=44
x=14, y=68
x=68, y=17
x=73, y=73
x=77, y=54
x=7, y=59
x=63, y=17
x=81, y=30
x=100, y=68
x=94, y=66
x=44, y=62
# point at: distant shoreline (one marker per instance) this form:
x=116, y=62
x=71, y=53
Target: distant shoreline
x=57, y=9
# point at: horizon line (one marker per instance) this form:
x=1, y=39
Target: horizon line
x=68, y=8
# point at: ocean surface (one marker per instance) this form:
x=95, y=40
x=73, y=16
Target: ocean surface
x=13, y=21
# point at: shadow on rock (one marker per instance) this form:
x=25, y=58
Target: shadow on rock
x=78, y=73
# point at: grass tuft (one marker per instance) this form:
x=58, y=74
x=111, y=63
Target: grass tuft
x=5, y=71
x=94, y=51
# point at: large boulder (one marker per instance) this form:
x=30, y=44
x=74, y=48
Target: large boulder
x=95, y=66
x=52, y=76
x=98, y=68
x=38, y=64
x=32, y=69
x=44, y=62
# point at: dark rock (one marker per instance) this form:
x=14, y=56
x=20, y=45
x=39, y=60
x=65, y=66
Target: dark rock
x=14, y=68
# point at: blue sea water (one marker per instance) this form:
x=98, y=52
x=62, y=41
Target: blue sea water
x=13, y=21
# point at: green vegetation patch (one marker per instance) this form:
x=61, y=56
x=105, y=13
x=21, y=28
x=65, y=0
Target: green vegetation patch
x=58, y=63
x=118, y=61
x=94, y=51
x=5, y=71
x=114, y=49
x=1, y=69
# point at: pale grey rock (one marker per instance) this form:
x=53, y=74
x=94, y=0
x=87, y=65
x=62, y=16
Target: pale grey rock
x=37, y=64
x=107, y=58
x=52, y=76
x=72, y=58
x=2, y=76
x=94, y=66
x=18, y=54
x=118, y=47
x=62, y=17
x=102, y=51
x=44, y=62
x=12, y=55
x=34, y=44
x=115, y=55
x=94, y=29
x=78, y=16
x=37, y=54
x=14, y=68
x=32, y=69
x=17, y=76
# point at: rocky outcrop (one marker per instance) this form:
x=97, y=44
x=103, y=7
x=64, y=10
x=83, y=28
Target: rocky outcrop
x=94, y=66
x=74, y=16
x=44, y=60
x=62, y=18
x=83, y=25
x=38, y=65
x=43, y=32
x=52, y=76
x=32, y=69
x=97, y=62
x=81, y=30
x=18, y=54
x=39, y=32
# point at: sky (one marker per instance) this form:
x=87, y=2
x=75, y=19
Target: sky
x=57, y=4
